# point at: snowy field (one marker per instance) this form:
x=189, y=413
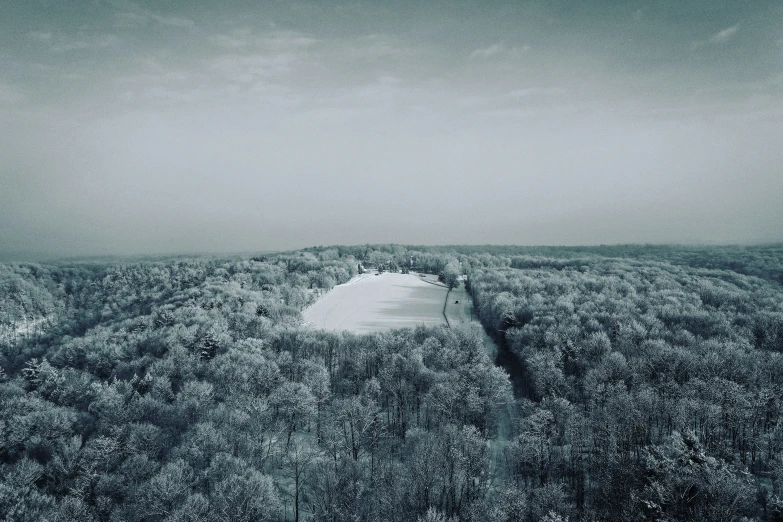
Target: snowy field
x=371, y=303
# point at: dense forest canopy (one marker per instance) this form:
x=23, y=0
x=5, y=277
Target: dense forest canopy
x=631, y=383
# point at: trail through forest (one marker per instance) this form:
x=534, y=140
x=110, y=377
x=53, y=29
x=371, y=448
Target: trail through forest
x=459, y=313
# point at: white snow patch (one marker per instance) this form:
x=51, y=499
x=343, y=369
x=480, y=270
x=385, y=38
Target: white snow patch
x=371, y=303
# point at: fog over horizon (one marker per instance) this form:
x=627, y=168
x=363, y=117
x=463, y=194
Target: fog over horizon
x=141, y=127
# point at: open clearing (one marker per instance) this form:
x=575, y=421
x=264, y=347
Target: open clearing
x=372, y=303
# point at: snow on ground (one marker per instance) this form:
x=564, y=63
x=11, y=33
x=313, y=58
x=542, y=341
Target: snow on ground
x=371, y=303
x=23, y=328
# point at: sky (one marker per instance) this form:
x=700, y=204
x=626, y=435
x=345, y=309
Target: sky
x=173, y=126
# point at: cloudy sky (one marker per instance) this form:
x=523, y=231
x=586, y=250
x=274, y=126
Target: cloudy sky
x=185, y=125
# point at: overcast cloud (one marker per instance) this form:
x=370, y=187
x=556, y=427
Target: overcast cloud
x=183, y=126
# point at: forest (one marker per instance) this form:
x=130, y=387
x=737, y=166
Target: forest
x=632, y=383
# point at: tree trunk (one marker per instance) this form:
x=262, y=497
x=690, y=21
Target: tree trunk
x=296, y=495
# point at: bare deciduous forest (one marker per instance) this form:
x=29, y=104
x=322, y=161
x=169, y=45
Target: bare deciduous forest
x=631, y=383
